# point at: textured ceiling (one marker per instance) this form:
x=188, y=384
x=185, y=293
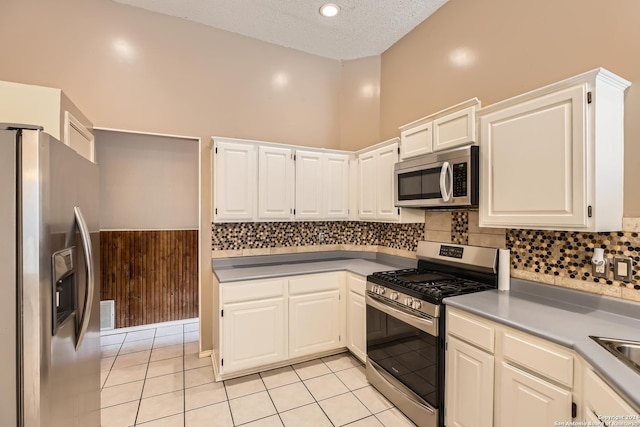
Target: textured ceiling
x=362, y=28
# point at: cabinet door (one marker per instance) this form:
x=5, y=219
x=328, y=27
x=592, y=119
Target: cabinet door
x=469, y=385
x=455, y=129
x=356, y=330
x=416, y=141
x=275, y=183
x=529, y=401
x=314, y=323
x=387, y=157
x=367, y=185
x=78, y=137
x=533, y=171
x=309, y=185
x=601, y=401
x=235, y=181
x=336, y=186
x=253, y=334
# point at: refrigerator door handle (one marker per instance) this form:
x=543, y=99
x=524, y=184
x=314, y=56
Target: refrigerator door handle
x=88, y=258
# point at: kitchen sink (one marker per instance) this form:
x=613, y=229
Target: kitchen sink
x=626, y=351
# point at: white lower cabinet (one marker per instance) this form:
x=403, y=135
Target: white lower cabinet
x=254, y=334
x=253, y=324
x=314, y=323
x=469, y=385
x=498, y=376
x=316, y=317
x=264, y=322
x=356, y=316
x=528, y=400
x=602, y=404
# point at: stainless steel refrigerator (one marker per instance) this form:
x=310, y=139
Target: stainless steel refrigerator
x=49, y=279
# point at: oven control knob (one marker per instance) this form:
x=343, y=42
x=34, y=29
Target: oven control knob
x=408, y=301
x=374, y=289
x=394, y=296
x=416, y=304
x=381, y=290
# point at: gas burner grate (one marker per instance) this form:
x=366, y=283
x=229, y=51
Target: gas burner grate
x=429, y=284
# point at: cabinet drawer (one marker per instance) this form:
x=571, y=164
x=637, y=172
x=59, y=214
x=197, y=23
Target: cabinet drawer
x=357, y=284
x=250, y=291
x=315, y=283
x=471, y=329
x=535, y=356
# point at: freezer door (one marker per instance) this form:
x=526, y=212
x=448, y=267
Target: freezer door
x=8, y=280
x=63, y=381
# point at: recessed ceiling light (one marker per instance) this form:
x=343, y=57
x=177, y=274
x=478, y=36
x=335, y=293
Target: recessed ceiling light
x=329, y=10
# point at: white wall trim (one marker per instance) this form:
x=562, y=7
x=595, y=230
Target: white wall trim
x=139, y=132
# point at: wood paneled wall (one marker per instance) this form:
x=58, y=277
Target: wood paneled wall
x=151, y=275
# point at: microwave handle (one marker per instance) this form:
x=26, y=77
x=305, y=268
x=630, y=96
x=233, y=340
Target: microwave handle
x=446, y=170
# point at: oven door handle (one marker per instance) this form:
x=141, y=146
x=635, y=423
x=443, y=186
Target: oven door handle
x=425, y=325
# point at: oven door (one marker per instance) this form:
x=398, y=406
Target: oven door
x=404, y=359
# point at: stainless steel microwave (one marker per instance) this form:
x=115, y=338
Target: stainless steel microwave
x=440, y=180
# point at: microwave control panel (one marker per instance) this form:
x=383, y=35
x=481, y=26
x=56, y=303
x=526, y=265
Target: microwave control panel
x=460, y=180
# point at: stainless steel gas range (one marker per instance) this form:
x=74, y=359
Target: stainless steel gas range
x=406, y=324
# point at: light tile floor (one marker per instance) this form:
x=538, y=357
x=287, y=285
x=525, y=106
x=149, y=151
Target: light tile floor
x=154, y=378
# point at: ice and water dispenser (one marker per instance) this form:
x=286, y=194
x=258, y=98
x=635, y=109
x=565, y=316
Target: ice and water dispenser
x=64, y=286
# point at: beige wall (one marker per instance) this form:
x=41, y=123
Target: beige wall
x=360, y=103
x=147, y=182
x=494, y=49
x=128, y=68
x=131, y=69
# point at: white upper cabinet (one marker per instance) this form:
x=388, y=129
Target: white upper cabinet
x=455, y=129
x=417, y=138
x=262, y=181
x=51, y=109
x=322, y=185
x=336, y=186
x=376, y=188
x=309, y=184
x=452, y=127
x=235, y=185
x=367, y=185
x=387, y=157
x=275, y=183
x=553, y=158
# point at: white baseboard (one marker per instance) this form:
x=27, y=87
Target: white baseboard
x=150, y=326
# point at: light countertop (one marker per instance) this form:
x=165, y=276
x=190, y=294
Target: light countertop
x=566, y=317
x=266, y=266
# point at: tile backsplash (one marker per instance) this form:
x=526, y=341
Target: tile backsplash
x=259, y=235
x=557, y=258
